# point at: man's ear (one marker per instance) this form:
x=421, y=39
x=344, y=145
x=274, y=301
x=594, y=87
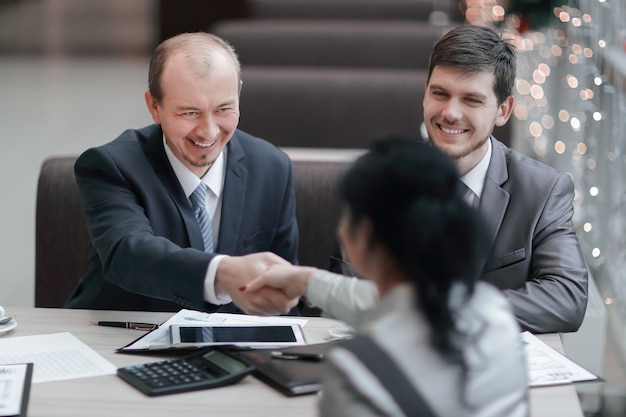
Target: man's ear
x=504, y=111
x=153, y=106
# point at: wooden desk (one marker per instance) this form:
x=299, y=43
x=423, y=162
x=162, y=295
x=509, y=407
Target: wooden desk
x=110, y=396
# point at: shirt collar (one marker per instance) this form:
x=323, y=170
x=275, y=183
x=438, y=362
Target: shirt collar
x=214, y=178
x=475, y=178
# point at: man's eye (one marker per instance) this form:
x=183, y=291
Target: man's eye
x=190, y=113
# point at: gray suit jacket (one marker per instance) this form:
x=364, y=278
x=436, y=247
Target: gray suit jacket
x=146, y=248
x=535, y=256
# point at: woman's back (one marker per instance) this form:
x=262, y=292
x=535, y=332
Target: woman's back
x=494, y=383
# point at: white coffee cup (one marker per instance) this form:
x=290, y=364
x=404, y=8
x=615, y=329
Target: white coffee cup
x=1, y=311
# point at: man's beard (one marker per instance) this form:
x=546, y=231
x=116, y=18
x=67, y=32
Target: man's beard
x=463, y=152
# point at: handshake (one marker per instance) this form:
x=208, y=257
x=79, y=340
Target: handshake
x=262, y=283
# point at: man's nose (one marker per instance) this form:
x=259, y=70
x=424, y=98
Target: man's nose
x=208, y=127
x=452, y=110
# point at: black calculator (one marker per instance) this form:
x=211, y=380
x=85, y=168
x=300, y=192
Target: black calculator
x=206, y=369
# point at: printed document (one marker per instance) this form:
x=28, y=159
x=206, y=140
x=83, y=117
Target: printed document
x=546, y=366
x=57, y=357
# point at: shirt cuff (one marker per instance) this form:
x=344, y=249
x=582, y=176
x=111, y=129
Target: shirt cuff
x=209, y=284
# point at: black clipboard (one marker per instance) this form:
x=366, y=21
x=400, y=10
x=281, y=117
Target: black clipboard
x=26, y=383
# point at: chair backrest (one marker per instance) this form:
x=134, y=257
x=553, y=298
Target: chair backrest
x=330, y=108
x=393, y=44
x=317, y=209
x=62, y=241
x=415, y=10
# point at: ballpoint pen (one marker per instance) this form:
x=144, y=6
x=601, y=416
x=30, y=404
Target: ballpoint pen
x=298, y=356
x=129, y=325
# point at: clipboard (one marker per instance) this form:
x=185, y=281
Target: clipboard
x=15, y=383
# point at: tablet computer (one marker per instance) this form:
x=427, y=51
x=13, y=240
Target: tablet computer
x=257, y=336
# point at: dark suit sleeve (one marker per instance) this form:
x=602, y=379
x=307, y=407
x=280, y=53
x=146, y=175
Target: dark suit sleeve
x=554, y=298
x=127, y=213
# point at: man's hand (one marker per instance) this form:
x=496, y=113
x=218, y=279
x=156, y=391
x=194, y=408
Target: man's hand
x=234, y=273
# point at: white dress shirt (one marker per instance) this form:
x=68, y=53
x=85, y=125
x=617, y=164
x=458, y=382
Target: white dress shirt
x=214, y=179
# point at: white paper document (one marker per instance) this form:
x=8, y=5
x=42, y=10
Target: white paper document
x=546, y=366
x=160, y=338
x=57, y=356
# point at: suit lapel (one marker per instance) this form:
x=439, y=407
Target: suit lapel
x=155, y=152
x=494, y=199
x=233, y=199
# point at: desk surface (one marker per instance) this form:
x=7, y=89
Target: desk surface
x=110, y=396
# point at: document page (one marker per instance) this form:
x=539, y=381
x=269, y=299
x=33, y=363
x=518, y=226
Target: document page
x=546, y=366
x=57, y=356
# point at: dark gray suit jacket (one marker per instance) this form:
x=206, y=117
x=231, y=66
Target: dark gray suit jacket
x=535, y=256
x=146, y=248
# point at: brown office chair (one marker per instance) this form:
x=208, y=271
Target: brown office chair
x=62, y=241
x=317, y=209
x=330, y=108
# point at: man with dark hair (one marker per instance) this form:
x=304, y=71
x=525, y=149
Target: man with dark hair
x=534, y=256
x=166, y=204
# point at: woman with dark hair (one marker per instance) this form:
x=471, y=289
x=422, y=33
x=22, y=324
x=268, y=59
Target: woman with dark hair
x=438, y=343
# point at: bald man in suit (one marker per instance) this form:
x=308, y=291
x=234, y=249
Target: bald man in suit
x=147, y=248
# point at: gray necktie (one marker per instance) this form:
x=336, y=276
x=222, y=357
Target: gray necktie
x=470, y=196
x=198, y=201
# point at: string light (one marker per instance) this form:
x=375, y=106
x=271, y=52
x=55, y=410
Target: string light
x=569, y=113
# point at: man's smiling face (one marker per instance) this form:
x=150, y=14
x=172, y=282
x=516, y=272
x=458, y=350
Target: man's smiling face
x=460, y=112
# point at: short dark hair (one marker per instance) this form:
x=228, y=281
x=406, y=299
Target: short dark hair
x=475, y=49
x=198, y=46
x=412, y=194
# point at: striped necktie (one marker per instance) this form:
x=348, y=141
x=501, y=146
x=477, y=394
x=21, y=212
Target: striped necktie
x=198, y=201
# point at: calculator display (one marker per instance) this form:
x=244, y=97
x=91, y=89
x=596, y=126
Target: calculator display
x=226, y=363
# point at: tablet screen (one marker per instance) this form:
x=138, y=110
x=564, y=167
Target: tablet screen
x=237, y=334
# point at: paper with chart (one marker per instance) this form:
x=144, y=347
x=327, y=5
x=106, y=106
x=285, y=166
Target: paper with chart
x=546, y=366
x=56, y=356
x=160, y=338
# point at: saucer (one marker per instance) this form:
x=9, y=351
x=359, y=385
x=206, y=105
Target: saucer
x=5, y=328
x=341, y=331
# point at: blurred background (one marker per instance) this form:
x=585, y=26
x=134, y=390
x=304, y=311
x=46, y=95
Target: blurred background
x=73, y=73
